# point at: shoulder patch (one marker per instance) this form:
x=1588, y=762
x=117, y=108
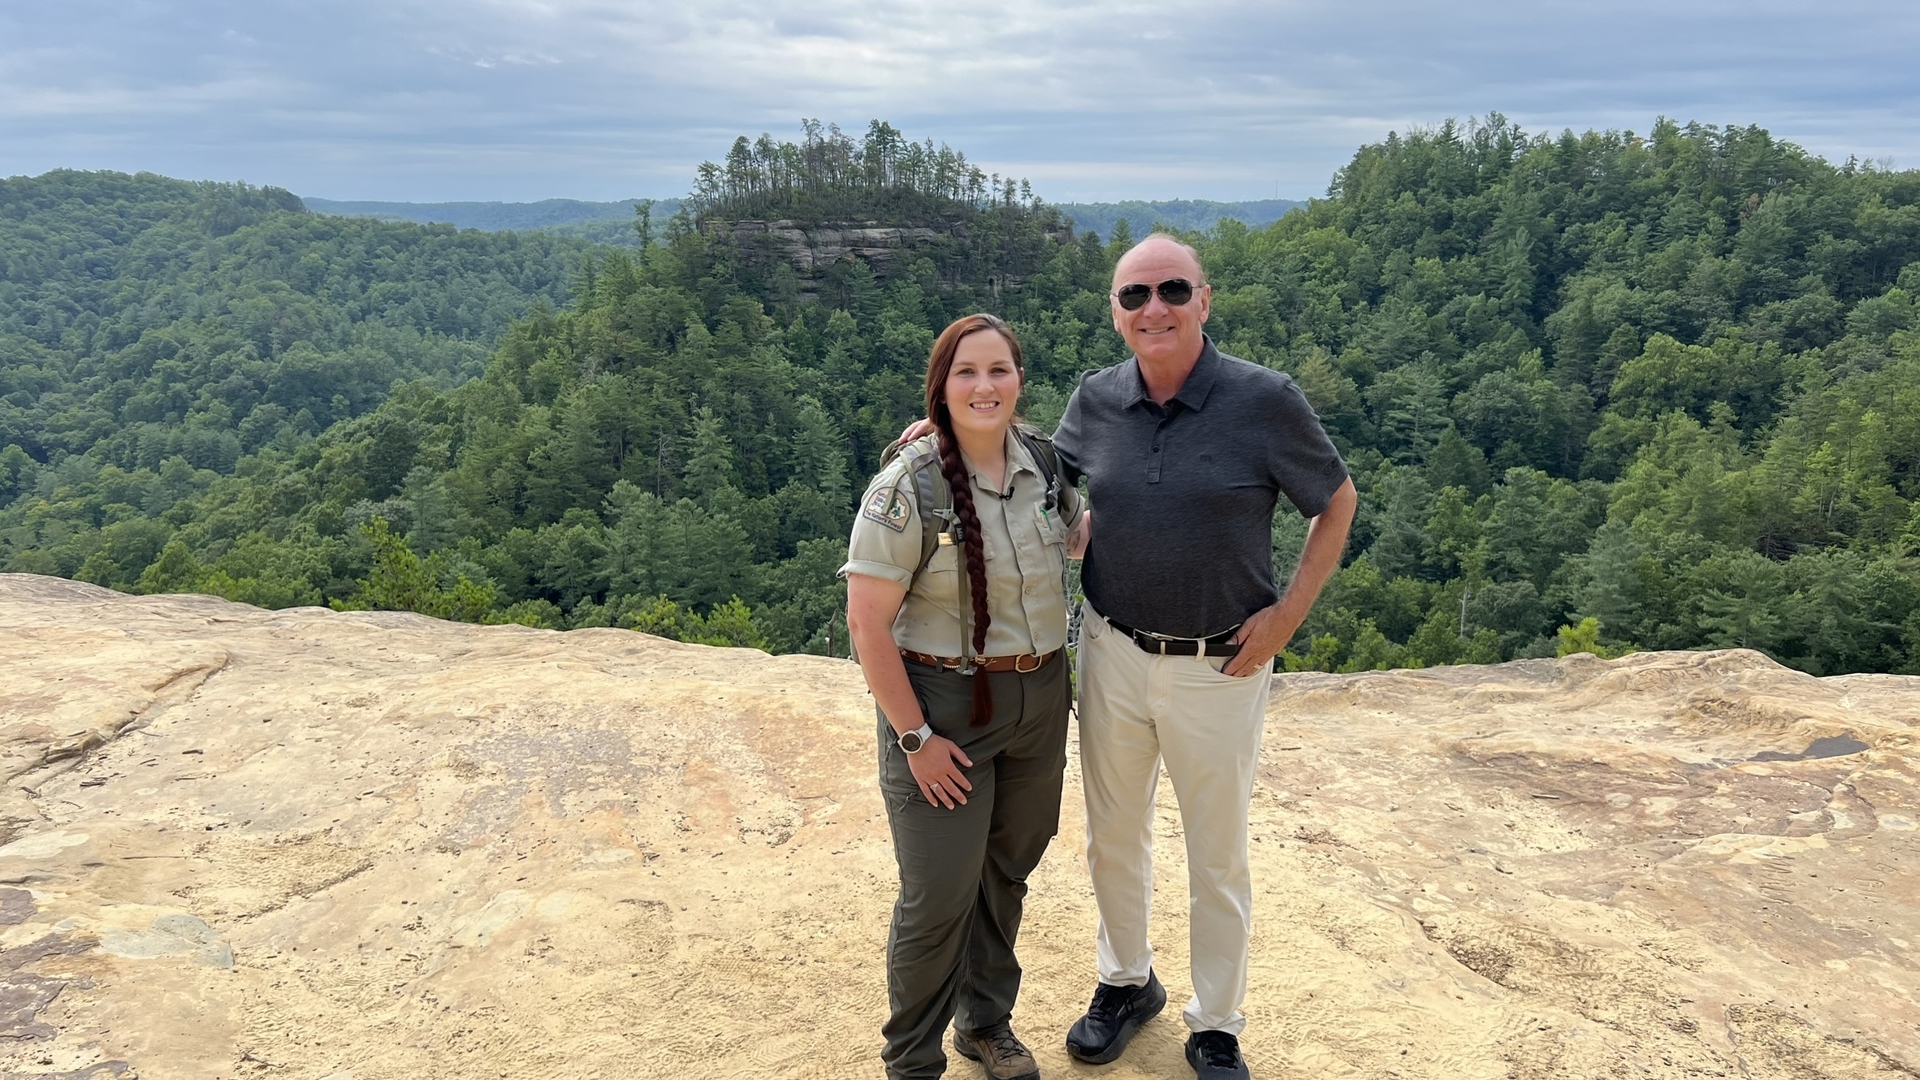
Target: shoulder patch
x=888, y=507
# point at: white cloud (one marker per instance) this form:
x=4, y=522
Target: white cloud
x=520, y=99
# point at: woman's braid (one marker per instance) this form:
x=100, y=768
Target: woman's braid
x=974, y=543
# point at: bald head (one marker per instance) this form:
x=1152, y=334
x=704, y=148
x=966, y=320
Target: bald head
x=1166, y=336
x=1158, y=248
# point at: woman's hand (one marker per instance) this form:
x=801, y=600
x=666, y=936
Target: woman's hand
x=915, y=430
x=1081, y=536
x=941, y=781
x=872, y=604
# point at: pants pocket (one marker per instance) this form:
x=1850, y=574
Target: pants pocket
x=1216, y=666
x=1092, y=626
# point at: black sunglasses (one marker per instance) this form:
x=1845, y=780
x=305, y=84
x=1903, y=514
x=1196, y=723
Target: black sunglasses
x=1175, y=291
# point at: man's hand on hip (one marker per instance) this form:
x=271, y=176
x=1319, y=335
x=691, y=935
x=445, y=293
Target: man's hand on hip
x=1268, y=630
x=1261, y=638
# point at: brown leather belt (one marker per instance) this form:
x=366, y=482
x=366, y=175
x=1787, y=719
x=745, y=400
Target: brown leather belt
x=1023, y=663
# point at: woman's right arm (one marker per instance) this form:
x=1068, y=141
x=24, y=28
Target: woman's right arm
x=872, y=603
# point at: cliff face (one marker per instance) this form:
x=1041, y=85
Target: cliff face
x=814, y=250
x=811, y=250
x=309, y=844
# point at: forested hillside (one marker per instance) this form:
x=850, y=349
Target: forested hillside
x=1670, y=383
x=144, y=319
x=1599, y=392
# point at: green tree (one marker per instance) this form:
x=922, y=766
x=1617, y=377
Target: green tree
x=403, y=581
x=710, y=464
x=1584, y=637
x=821, y=453
x=1668, y=381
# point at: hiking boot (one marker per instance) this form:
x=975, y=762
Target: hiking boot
x=1215, y=1055
x=1116, y=1013
x=998, y=1051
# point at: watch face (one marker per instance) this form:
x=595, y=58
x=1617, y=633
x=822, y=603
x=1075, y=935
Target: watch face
x=910, y=742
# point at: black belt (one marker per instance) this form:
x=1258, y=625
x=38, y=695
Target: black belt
x=1160, y=645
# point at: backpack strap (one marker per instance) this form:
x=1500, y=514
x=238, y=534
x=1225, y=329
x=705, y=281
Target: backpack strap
x=934, y=498
x=1044, y=455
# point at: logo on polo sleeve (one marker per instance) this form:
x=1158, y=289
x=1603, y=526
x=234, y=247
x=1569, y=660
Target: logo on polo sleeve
x=889, y=508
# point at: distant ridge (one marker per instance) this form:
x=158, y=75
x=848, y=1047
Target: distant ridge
x=1184, y=214
x=493, y=216
x=612, y=222
x=601, y=222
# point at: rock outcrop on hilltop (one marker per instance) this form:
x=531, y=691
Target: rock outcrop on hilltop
x=812, y=249
x=310, y=844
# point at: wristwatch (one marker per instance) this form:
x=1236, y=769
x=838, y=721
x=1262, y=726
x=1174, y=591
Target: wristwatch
x=913, y=740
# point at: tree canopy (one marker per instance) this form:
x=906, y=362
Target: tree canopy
x=143, y=318
x=827, y=176
x=1599, y=392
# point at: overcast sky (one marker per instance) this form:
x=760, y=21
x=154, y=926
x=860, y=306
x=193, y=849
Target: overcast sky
x=433, y=100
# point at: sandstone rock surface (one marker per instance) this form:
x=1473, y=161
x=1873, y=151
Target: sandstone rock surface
x=813, y=249
x=307, y=844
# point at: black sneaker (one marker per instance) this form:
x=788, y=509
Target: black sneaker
x=1215, y=1055
x=1116, y=1013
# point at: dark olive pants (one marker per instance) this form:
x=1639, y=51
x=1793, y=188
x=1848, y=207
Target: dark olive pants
x=963, y=872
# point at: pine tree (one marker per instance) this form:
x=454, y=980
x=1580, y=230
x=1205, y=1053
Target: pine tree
x=433, y=525
x=820, y=453
x=1613, y=592
x=710, y=465
x=1401, y=536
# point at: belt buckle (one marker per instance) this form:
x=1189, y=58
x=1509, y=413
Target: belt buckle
x=1159, y=641
x=1026, y=670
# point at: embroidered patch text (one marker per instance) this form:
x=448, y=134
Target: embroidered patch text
x=889, y=508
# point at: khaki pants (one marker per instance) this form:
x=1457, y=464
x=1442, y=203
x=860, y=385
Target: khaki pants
x=1136, y=710
x=963, y=872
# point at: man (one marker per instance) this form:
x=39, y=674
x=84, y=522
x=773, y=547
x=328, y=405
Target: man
x=1185, y=451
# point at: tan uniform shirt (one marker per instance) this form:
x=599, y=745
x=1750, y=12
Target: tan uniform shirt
x=1026, y=548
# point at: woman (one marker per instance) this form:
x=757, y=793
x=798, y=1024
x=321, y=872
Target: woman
x=957, y=605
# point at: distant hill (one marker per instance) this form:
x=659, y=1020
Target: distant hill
x=600, y=222
x=144, y=319
x=612, y=222
x=1186, y=214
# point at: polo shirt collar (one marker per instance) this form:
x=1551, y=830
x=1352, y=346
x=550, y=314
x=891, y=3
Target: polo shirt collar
x=1192, y=393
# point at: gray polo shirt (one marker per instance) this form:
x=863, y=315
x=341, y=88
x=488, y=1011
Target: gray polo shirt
x=1183, y=534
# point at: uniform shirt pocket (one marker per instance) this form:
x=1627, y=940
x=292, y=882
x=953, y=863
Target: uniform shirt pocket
x=1053, y=528
x=940, y=581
